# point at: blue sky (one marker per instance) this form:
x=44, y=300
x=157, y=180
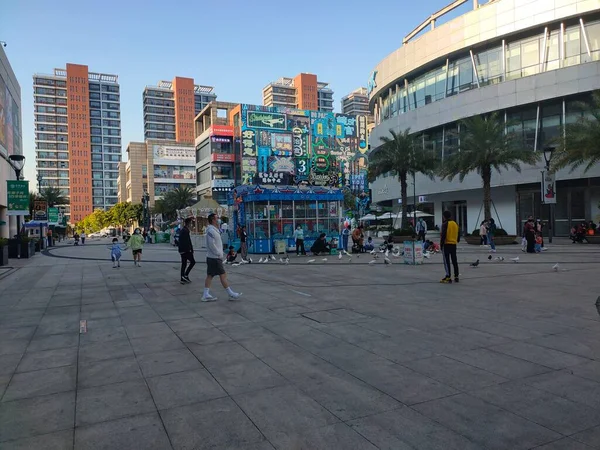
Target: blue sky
x=237, y=46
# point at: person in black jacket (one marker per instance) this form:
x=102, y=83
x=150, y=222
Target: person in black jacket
x=186, y=251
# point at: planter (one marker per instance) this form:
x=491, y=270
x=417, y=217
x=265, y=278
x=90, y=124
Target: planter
x=498, y=240
x=27, y=249
x=593, y=239
x=398, y=239
x=4, y=255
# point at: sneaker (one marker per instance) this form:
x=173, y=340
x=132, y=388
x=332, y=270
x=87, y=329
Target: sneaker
x=186, y=279
x=139, y=264
x=182, y=281
x=114, y=266
x=446, y=280
x=118, y=264
x=235, y=296
x=208, y=298
x=456, y=280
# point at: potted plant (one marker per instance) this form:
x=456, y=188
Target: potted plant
x=400, y=235
x=3, y=252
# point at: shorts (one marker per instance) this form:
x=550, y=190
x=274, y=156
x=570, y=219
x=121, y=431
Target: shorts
x=214, y=267
x=137, y=251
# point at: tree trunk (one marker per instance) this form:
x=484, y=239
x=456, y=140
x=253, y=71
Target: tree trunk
x=486, y=178
x=404, y=197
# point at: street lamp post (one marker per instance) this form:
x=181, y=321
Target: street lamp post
x=17, y=162
x=39, y=178
x=547, y=158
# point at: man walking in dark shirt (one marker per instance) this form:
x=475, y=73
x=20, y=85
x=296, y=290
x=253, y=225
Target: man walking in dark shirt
x=186, y=250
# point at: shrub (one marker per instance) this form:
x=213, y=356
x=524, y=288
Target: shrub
x=3, y=242
x=402, y=232
x=475, y=232
x=500, y=232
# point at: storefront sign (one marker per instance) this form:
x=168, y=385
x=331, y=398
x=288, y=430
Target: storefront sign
x=40, y=210
x=171, y=152
x=362, y=133
x=272, y=178
x=221, y=140
x=222, y=183
x=548, y=188
x=18, y=197
x=248, y=143
x=222, y=157
x=221, y=130
x=269, y=120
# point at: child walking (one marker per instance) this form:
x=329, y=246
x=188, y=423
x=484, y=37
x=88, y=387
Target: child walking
x=115, y=252
x=136, y=242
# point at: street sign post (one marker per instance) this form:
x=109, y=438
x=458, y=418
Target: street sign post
x=18, y=197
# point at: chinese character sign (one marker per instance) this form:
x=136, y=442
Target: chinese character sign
x=18, y=197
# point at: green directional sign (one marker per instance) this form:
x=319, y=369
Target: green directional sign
x=53, y=215
x=18, y=197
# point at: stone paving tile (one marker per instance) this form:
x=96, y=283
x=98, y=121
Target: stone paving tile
x=590, y=437
x=171, y=361
x=246, y=376
x=564, y=384
x=102, y=403
x=488, y=425
x=210, y=425
x=539, y=355
x=54, y=341
x=41, y=382
x=589, y=370
x=222, y=354
x=61, y=440
x=9, y=333
x=184, y=388
x=405, y=428
x=336, y=436
x=48, y=359
x=103, y=334
x=564, y=444
x=38, y=415
x=203, y=336
x=147, y=329
x=8, y=364
x=138, y=432
x=13, y=346
x=99, y=351
x=108, y=371
x=156, y=343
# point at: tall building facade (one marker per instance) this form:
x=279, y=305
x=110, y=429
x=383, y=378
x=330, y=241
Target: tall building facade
x=356, y=102
x=170, y=108
x=303, y=91
x=531, y=61
x=77, y=117
x=10, y=139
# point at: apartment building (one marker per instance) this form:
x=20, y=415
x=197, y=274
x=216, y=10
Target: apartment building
x=77, y=121
x=170, y=108
x=303, y=91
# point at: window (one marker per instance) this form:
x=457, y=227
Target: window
x=572, y=45
x=522, y=121
x=489, y=66
x=550, y=123
x=530, y=57
x=460, y=76
x=553, y=51
x=593, y=36
x=94, y=87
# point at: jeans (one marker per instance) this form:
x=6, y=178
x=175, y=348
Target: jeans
x=484, y=240
x=491, y=242
x=300, y=247
x=244, y=250
x=185, y=257
x=450, y=254
x=345, y=242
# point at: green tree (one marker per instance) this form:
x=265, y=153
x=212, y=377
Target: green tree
x=53, y=196
x=581, y=143
x=401, y=155
x=133, y=213
x=33, y=196
x=486, y=145
x=180, y=197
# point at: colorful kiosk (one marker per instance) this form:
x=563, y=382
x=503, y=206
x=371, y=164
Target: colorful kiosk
x=271, y=214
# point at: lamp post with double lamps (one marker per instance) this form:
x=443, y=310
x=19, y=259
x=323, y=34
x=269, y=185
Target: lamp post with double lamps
x=39, y=179
x=18, y=162
x=548, y=151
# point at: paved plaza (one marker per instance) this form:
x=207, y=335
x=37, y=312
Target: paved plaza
x=328, y=355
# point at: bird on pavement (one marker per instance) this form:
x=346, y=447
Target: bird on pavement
x=250, y=260
x=324, y=260
x=372, y=252
x=386, y=260
x=266, y=260
x=489, y=257
x=475, y=264
x=373, y=262
x=272, y=257
x=236, y=264
x=555, y=267
x=310, y=261
x=499, y=258
x=286, y=260
x=515, y=259
x=260, y=260
x=340, y=256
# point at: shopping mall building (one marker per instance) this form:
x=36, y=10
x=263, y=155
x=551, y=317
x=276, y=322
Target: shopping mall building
x=531, y=60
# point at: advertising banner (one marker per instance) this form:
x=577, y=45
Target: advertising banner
x=40, y=210
x=269, y=120
x=18, y=197
x=165, y=154
x=222, y=157
x=548, y=188
x=413, y=252
x=221, y=130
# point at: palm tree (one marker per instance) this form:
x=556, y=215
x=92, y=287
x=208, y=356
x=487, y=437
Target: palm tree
x=401, y=155
x=53, y=196
x=485, y=146
x=580, y=145
x=180, y=197
x=33, y=196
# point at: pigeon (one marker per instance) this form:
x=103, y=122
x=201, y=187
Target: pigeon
x=250, y=260
x=324, y=260
x=287, y=259
x=386, y=260
x=515, y=259
x=310, y=261
x=387, y=253
x=555, y=267
x=266, y=260
x=281, y=260
x=347, y=254
x=499, y=258
x=372, y=252
x=260, y=260
x=243, y=261
x=340, y=256
x=489, y=257
x=475, y=264
x=272, y=257
x=427, y=255
x=373, y=262
x=236, y=264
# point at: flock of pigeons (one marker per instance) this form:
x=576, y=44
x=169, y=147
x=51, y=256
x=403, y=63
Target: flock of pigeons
x=555, y=267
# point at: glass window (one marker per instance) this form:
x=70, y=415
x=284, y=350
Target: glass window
x=553, y=51
x=489, y=66
x=572, y=45
x=450, y=139
x=522, y=121
x=530, y=57
x=551, y=122
x=513, y=61
x=593, y=36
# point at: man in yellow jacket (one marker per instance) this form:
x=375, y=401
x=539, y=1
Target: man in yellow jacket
x=448, y=241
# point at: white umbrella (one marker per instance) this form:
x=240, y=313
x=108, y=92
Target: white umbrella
x=367, y=217
x=388, y=215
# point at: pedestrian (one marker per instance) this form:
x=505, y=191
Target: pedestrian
x=214, y=261
x=299, y=237
x=538, y=243
x=82, y=237
x=491, y=232
x=539, y=229
x=243, y=242
x=529, y=233
x=115, y=253
x=483, y=233
x=358, y=239
x=345, y=237
x=136, y=242
x=421, y=229
x=76, y=238
x=448, y=241
x=186, y=251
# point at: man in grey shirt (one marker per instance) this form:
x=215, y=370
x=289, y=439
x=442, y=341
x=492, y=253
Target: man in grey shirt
x=214, y=261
